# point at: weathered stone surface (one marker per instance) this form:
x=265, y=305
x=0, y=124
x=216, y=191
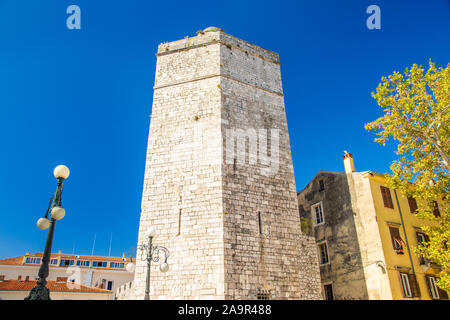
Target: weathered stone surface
x=238, y=233
x=351, y=233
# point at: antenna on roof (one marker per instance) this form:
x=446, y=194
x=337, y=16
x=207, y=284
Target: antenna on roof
x=93, y=245
x=73, y=250
x=110, y=243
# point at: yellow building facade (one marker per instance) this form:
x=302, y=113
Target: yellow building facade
x=410, y=277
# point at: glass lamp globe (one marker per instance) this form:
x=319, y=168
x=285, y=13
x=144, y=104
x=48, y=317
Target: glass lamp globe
x=43, y=223
x=164, y=267
x=58, y=213
x=130, y=267
x=151, y=232
x=61, y=171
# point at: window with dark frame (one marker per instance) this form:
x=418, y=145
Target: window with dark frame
x=397, y=241
x=387, y=198
x=421, y=238
x=328, y=290
x=323, y=250
x=101, y=264
x=412, y=205
x=33, y=260
x=436, y=211
x=66, y=263
x=435, y=292
x=409, y=285
x=321, y=185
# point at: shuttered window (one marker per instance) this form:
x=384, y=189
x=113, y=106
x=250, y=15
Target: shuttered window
x=404, y=284
x=409, y=285
x=432, y=288
x=412, y=205
x=397, y=242
x=436, y=212
x=422, y=237
x=415, y=290
x=434, y=291
x=386, y=195
x=443, y=295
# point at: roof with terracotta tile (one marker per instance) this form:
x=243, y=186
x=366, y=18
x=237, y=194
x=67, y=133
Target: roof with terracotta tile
x=16, y=285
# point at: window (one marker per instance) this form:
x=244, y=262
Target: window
x=436, y=212
x=117, y=265
x=387, y=198
x=323, y=253
x=406, y=289
x=109, y=285
x=101, y=264
x=412, y=205
x=263, y=295
x=66, y=263
x=328, y=292
x=321, y=185
x=421, y=238
x=434, y=290
x=432, y=287
x=33, y=260
x=54, y=261
x=409, y=285
x=397, y=242
x=83, y=263
x=317, y=213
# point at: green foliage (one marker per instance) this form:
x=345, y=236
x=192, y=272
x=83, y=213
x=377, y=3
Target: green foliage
x=416, y=108
x=305, y=224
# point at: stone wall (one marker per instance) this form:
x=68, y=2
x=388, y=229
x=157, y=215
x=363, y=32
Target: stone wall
x=232, y=228
x=345, y=269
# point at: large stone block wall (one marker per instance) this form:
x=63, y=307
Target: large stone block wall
x=205, y=86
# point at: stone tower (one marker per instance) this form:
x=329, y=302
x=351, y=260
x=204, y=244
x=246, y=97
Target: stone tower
x=219, y=183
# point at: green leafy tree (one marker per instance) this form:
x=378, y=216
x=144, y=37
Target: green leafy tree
x=416, y=108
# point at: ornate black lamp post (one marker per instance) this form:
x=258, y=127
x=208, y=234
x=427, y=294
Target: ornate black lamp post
x=57, y=212
x=149, y=253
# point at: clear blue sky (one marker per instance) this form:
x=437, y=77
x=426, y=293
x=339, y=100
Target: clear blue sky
x=83, y=97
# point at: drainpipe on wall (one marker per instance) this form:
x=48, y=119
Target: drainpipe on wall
x=404, y=232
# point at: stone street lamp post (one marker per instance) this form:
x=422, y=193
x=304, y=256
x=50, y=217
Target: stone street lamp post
x=57, y=212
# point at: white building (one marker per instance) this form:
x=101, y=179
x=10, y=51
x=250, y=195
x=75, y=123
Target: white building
x=91, y=271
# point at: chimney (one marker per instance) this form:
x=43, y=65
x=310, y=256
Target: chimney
x=124, y=255
x=27, y=278
x=348, y=162
x=19, y=278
